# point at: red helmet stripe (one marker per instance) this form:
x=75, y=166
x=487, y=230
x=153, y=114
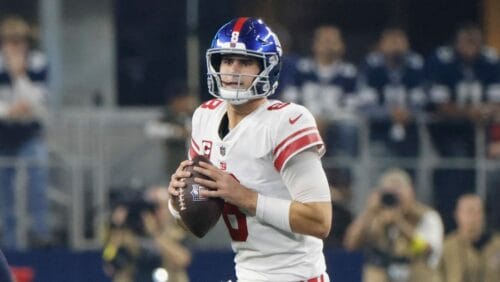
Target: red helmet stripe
x=239, y=24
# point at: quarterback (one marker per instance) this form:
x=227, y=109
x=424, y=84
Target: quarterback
x=266, y=160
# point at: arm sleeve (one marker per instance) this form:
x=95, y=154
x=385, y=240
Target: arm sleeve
x=295, y=132
x=305, y=178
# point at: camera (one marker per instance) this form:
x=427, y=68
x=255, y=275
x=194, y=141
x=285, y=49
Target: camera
x=136, y=205
x=143, y=254
x=389, y=199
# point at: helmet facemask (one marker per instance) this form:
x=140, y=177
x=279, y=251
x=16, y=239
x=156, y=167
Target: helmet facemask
x=261, y=86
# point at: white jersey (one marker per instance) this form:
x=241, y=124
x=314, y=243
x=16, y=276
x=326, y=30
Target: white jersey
x=255, y=152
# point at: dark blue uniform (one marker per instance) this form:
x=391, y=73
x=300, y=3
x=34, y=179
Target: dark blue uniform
x=389, y=87
x=463, y=83
x=329, y=92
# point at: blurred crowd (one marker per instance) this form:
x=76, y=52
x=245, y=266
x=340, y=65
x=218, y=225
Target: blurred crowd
x=451, y=93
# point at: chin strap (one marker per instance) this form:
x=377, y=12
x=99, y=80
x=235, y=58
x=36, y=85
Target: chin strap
x=237, y=101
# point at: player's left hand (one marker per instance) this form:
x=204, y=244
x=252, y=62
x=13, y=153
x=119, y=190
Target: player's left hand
x=225, y=186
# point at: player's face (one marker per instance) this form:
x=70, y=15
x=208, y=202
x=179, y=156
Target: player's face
x=238, y=72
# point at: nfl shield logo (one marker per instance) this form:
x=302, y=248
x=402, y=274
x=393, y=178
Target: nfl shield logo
x=196, y=193
x=222, y=150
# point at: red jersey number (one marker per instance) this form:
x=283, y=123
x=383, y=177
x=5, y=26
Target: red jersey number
x=211, y=104
x=277, y=106
x=236, y=222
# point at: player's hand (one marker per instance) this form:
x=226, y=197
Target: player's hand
x=177, y=179
x=225, y=186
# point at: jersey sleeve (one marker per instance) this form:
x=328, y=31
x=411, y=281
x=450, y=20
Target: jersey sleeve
x=194, y=147
x=295, y=132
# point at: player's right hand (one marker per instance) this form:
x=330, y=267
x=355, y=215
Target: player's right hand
x=177, y=179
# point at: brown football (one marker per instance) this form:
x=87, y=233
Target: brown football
x=199, y=214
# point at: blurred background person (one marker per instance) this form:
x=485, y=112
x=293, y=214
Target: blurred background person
x=23, y=95
x=174, y=125
x=393, y=94
x=326, y=85
x=143, y=240
x=464, y=81
x=340, y=189
x=471, y=253
x=400, y=236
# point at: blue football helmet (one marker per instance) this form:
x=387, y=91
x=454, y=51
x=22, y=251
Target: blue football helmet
x=246, y=37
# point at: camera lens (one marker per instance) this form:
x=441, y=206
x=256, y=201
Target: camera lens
x=389, y=199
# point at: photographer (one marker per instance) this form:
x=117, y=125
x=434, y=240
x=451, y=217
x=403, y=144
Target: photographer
x=401, y=237
x=141, y=243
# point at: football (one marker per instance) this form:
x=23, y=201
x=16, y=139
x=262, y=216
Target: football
x=199, y=214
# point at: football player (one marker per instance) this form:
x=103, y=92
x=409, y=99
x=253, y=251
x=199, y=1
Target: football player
x=266, y=160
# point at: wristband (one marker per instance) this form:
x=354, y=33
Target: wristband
x=172, y=210
x=274, y=211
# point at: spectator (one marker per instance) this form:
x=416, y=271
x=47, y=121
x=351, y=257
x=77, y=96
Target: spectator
x=174, y=125
x=470, y=253
x=341, y=214
x=326, y=85
x=464, y=85
x=143, y=239
x=401, y=237
x=23, y=94
x=392, y=79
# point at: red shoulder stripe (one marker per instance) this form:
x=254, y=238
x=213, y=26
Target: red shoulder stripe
x=291, y=136
x=295, y=147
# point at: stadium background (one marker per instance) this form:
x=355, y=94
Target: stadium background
x=111, y=62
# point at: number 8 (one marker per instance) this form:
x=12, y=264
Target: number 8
x=240, y=232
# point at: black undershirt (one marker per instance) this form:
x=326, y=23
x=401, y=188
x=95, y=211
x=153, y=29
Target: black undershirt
x=224, y=126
